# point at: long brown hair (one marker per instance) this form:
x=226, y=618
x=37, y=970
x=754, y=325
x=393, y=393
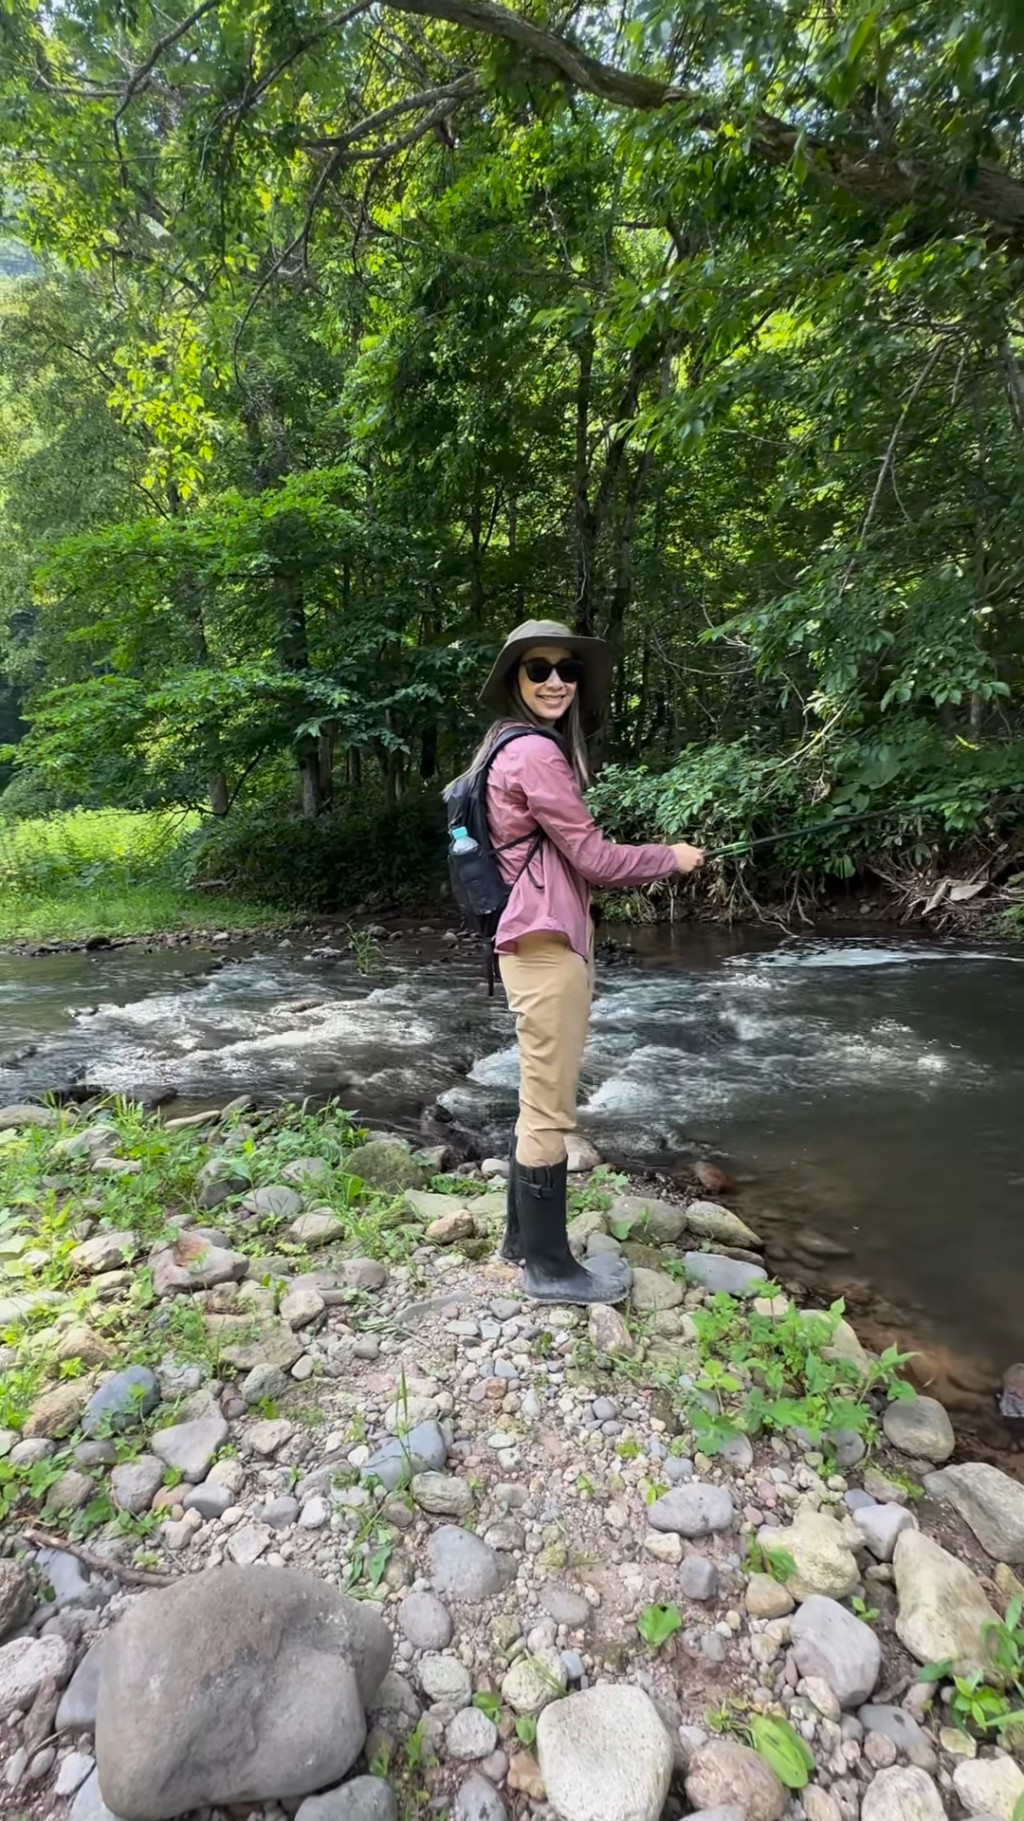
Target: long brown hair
x=569, y=728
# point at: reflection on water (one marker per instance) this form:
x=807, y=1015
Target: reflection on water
x=869, y=1088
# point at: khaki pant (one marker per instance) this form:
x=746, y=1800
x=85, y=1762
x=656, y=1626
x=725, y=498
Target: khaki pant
x=549, y=988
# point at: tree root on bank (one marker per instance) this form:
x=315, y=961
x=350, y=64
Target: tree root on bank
x=138, y=1577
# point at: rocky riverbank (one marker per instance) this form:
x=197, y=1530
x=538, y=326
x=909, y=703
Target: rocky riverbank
x=308, y=1512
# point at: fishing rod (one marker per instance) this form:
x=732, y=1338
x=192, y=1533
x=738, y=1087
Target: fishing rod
x=820, y=828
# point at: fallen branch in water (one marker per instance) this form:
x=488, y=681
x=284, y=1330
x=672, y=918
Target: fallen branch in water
x=139, y=1577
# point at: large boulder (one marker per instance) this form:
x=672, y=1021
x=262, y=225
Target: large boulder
x=919, y=1426
x=825, y=1563
x=943, y=1610
x=990, y=1502
x=58, y=1411
x=990, y=1786
x=17, y=1597
x=18, y=1118
x=385, y=1163
x=605, y=1755
x=121, y=1401
x=463, y=1566
x=363, y=1799
x=25, y=1664
x=190, y=1447
x=709, y=1221
x=660, y=1223
x=274, y=1202
x=693, y=1510
x=194, y=1262
x=902, y=1795
x=829, y=1642
x=724, y=1774
x=238, y=1685
x=103, y=1252
x=713, y=1272
x=654, y=1290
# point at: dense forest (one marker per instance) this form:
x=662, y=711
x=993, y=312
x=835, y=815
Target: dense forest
x=334, y=343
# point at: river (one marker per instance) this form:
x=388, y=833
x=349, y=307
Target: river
x=870, y=1088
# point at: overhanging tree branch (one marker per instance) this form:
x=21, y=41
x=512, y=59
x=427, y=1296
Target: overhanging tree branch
x=989, y=196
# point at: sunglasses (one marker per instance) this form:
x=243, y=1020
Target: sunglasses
x=568, y=670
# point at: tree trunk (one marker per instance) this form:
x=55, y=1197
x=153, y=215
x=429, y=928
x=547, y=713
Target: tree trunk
x=220, y=799
x=586, y=526
x=428, y=752
x=309, y=776
x=476, y=572
x=325, y=755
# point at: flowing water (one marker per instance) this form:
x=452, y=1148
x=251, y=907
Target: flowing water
x=868, y=1088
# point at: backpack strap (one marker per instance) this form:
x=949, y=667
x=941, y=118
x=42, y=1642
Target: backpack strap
x=536, y=837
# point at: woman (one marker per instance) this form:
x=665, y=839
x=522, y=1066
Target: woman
x=548, y=679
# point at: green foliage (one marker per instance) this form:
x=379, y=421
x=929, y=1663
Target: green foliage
x=781, y=1747
x=526, y=1731
x=308, y=390
x=761, y=1558
x=356, y=853
x=84, y=872
x=488, y=1704
x=761, y=1374
x=868, y=1614
x=598, y=1194
x=657, y=1624
x=771, y=1735
x=993, y=1703
x=457, y=1186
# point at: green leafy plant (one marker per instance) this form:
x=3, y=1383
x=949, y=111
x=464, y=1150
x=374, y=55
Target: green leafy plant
x=380, y=1764
x=869, y=1614
x=657, y=1624
x=762, y=1558
x=488, y=1704
x=598, y=1194
x=993, y=1703
x=365, y=948
x=771, y=1735
x=764, y=1375
x=526, y=1730
x=781, y=1747
x=417, y=1752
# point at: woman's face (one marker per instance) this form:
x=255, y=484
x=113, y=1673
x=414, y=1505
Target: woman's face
x=548, y=700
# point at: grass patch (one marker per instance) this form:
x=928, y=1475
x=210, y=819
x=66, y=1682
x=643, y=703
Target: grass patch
x=130, y=910
x=48, y=1188
x=111, y=872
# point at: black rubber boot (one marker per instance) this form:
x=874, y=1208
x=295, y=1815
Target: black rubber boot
x=550, y=1272
x=511, y=1248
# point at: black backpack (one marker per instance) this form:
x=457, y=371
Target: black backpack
x=479, y=889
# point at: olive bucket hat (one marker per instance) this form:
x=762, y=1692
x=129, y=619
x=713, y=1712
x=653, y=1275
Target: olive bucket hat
x=596, y=656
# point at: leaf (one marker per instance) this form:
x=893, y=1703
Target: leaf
x=620, y=1229
x=526, y=1730
x=1018, y=1809
x=783, y=1749
x=656, y=1624
x=860, y=37
x=488, y=1704
x=935, y=1672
